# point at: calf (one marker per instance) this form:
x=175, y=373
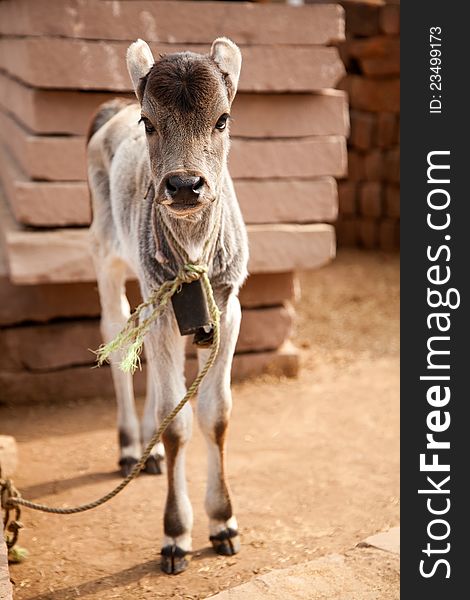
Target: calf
x=159, y=183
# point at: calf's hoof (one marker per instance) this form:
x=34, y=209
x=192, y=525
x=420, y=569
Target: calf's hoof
x=126, y=464
x=227, y=542
x=174, y=560
x=154, y=465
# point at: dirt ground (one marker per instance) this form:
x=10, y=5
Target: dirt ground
x=313, y=462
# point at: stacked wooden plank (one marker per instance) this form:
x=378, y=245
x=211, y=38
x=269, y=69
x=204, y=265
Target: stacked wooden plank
x=370, y=197
x=59, y=59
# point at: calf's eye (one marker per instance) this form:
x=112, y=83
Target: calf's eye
x=222, y=122
x=149, y=128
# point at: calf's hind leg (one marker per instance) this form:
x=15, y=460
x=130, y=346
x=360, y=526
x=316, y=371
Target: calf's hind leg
x=154, y=462
x=213, y=410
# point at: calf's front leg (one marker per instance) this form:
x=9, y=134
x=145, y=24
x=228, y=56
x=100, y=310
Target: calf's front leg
x=111, y=277
x=165, y=355
x=213, y=411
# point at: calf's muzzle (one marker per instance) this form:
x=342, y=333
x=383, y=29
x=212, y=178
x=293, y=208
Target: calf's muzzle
x=184, y=189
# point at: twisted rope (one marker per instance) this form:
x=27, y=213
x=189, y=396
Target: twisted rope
x=188, y=273
x=10, y=525
x=130, y=341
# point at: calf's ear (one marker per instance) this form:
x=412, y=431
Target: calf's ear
x=139, y=62
x=228, y=58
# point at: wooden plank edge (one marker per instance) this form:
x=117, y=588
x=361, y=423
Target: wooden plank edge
x=84, y=382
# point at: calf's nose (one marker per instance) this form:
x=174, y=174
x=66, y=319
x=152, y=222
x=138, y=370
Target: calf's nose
x=184, y=188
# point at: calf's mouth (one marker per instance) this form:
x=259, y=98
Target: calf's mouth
x=184, y=210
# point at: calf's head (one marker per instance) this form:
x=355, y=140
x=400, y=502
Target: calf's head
x=185, y=103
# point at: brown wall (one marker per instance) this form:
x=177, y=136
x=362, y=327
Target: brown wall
x=288, y=148
x=369, y=197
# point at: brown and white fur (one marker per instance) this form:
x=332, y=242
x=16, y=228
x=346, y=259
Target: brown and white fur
x=179, y=152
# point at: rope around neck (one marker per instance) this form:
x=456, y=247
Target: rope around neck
x=131, y=335
x=131, y=338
